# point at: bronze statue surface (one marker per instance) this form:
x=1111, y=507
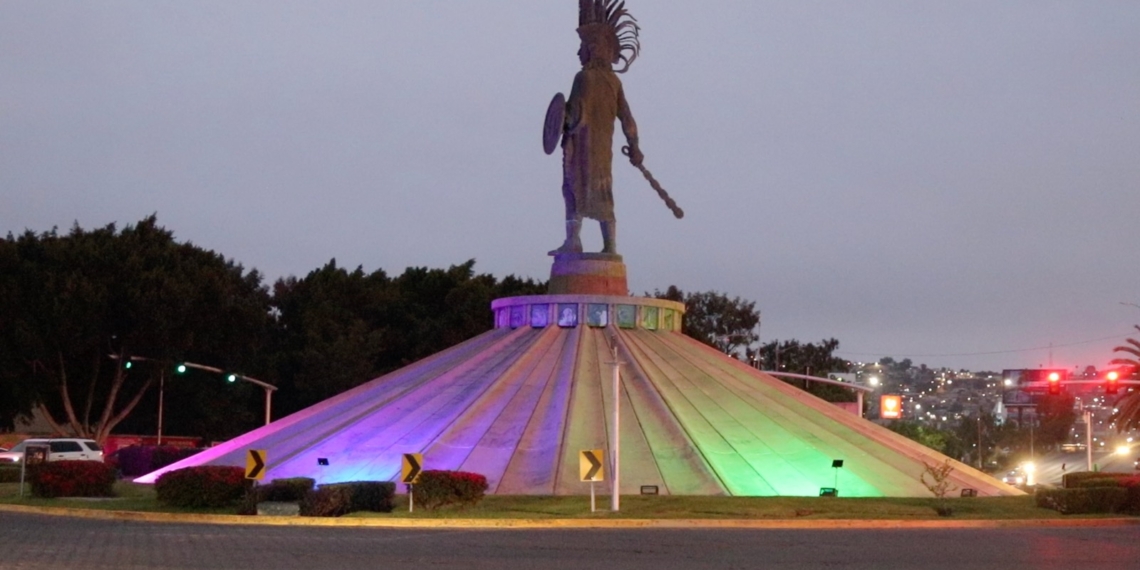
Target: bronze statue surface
x=609, y=36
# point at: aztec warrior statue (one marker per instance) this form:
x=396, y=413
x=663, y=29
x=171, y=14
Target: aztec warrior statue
x=609, y=37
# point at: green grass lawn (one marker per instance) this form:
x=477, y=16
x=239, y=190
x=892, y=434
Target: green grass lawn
x=669, y=507
x=132, y=497
x=129, y=497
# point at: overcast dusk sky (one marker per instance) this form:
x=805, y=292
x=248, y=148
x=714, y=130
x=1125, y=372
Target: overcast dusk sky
x=956, y=182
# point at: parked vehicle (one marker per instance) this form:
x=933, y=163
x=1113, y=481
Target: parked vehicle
x=62, y=449
x=1015, y=477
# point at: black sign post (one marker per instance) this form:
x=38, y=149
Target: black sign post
x=33, y=455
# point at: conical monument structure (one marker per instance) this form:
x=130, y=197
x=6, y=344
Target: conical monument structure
x=521, y=402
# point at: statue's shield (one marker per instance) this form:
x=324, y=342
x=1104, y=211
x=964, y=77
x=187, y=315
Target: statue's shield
x=552, y=130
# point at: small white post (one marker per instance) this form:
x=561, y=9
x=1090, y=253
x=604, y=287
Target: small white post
x=1088, y=440
x=268, y=405
x=593, y=503
x=411, y=498
x=615, y=446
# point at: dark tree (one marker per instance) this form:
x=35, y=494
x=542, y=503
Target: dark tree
x=337, y=329
x=1127, y=416
x=931, y=437
x=329, y=332
x=810, y=360
x=727, y=324
x=72, y=301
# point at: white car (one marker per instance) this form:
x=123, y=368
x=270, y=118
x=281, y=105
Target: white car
x=62, y=449
x=1015, y=477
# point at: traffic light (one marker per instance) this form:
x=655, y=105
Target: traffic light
x=1054, y=382
x=232, y=377
x=128, y=364
x=1111, y=385
x=180, y=368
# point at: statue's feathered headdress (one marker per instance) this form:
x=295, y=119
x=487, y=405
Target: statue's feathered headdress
x=620, y=28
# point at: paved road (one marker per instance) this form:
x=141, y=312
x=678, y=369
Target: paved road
x=42, y=542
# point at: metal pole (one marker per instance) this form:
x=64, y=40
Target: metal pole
x=593, y=501
x=268, y=404
x=1032, y=421
x=615, y=497
x=161, y=392
x=859, y=401
x=411, y=498
x=1088, y=440
x=979, y=437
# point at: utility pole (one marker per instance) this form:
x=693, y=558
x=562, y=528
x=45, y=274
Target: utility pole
x=980, y=438
x=615, y=445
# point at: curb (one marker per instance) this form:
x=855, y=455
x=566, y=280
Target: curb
x=531, y=524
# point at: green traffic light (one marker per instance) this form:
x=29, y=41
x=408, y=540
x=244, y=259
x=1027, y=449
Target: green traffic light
x=128, y=365
x=180, y=369
x=231, y=378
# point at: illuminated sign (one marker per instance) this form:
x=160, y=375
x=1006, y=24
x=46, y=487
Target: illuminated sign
x=590, y=465
x=413, y=465
x=255, y=464
x=890, y=407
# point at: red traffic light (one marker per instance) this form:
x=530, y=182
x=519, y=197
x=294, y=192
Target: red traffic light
x=1111, y=386
x=1054, y=383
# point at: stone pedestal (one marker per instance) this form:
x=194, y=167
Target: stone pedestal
x=588, y=274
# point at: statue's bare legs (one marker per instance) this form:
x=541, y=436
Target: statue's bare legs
x=609, y=237
x=573, y=243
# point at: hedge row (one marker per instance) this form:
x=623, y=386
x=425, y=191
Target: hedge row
x=204, y=486
x=330, y=500
x=72, y=479
x=9, y=473
x=1080, y=478
x=435, y=489
x=336, y=499
x=1083, y=500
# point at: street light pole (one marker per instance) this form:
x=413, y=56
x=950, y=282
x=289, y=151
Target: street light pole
x=980, y=437
x=161, y=392
x=615, y=446
x=269, y=388
x=1088, y=440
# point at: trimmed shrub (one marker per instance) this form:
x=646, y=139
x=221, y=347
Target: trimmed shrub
x=1083, y=500
x=327, y=501
x=72, y=479
x=1076, y=480
x=1092, y=482
x=439, y=488
x=1131, y=486
x=10, y=474
x=289, y=490
x=337, y=499
x=285, y=490
x=372, y=496
x=204, y=486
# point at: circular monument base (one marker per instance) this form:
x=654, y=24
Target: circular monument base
x=588, y=274
x=588, y=311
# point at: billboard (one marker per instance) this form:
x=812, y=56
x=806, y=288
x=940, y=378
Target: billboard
x=890, y=407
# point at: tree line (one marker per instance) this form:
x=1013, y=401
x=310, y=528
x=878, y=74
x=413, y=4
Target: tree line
x=77, y=306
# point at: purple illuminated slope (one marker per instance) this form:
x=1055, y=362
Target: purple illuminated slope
x=519, y=403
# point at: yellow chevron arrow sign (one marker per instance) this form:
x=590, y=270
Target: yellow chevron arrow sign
x=255, y=464
x=590, y=465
